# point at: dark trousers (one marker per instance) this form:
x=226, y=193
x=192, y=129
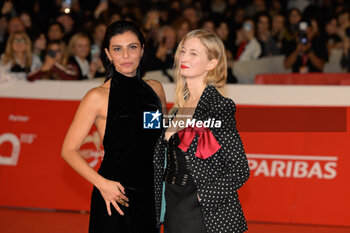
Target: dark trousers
x=183, y=211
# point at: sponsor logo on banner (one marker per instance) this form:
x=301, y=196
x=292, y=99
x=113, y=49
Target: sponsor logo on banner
x=16, y=147
x=12, y=158
x=91, y=149
x=293, y=166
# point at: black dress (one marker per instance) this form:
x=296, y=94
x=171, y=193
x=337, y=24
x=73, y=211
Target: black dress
x=128, y=158
x=183, y=212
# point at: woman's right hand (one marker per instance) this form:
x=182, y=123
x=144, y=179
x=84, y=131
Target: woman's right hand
x=48, y=63
x=113, y=192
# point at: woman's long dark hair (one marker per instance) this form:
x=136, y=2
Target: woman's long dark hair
x=119, y=27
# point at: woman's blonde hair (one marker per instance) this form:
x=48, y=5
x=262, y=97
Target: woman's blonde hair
x=215, y=49
x=71, y=44
x=9, y=55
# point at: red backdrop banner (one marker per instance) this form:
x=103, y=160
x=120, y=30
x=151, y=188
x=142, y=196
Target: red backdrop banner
x=298, y=175
x=32, y=172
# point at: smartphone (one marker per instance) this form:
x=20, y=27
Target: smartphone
x=95, y=53
x=51, y=53
x=247, y=26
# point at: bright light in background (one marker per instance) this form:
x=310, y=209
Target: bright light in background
x=66, y=5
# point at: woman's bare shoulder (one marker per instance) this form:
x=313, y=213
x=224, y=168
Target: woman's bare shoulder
x=156, y=86
x=97, y=95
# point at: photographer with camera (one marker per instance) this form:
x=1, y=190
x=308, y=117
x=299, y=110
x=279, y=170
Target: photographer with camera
x=308, y=52
x=53, y=67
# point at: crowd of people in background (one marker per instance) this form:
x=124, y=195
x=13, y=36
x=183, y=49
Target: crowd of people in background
x=59, y=39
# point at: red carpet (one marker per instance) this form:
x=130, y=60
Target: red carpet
x=34, y=221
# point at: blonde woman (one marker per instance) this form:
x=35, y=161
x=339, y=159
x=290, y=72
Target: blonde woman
x=18, y=61
x=78, y=53
x=201, y=150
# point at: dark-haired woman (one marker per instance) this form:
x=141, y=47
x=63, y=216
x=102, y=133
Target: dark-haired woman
x=55, y=31
x=122, y=199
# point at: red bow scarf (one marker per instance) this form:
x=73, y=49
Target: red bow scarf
x=207, y=143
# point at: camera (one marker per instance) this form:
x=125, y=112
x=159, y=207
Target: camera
x=302, y=38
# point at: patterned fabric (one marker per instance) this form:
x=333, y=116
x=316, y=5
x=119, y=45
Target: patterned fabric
x=178, y=163
x=218, y=177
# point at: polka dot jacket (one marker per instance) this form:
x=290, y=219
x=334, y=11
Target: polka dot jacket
x=218, y=177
